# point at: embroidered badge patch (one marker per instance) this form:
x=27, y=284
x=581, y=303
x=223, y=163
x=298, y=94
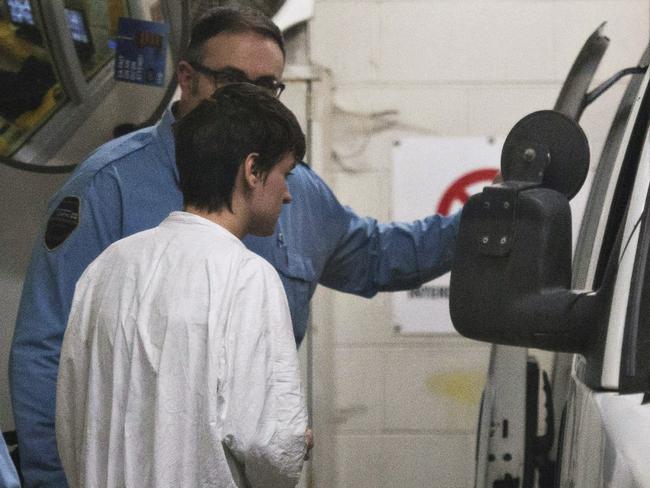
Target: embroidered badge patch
x=62, y=222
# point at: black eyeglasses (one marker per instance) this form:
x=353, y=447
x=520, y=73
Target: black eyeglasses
x=233, y=75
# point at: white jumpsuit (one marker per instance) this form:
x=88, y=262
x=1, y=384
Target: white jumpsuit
x=179, y=366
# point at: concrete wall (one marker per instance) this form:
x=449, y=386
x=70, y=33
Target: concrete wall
x=403, y=410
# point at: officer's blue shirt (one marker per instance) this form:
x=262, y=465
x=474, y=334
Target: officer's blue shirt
x=8, y=475
x=131, y=184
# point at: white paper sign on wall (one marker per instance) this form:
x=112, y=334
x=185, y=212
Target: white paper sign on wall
x=436, y=175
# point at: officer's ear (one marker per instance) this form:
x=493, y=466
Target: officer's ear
x=186, y=77
x=252, y=174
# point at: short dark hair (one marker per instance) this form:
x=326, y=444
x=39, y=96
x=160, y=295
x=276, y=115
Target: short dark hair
x=226, y=19
x=213, y=140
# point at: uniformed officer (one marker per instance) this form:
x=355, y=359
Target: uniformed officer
x=130, y=184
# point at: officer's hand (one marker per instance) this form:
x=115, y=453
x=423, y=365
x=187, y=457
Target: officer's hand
x=309, y=439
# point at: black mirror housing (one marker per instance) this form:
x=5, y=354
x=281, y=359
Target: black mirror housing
x=511, y=279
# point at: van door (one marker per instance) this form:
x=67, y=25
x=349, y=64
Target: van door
x=508, y=421
x=597, y=320
x=606, y=435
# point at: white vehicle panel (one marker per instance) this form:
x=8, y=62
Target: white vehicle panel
x=609, y=440
x=626, y=426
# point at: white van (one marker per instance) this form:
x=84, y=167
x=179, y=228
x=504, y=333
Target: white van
x=514, y=284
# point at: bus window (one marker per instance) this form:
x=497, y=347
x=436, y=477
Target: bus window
x=30, y=91
x=92, y=24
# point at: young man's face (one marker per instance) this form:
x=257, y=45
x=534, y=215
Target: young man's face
x=253, y=55
x=267, y=198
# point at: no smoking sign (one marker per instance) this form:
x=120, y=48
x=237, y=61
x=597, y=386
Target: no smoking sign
x=435, y=175
x=463, y=188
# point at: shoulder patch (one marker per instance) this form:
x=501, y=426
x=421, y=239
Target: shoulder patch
x=62, y=222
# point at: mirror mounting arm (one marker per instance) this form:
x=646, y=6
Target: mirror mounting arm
x=607, y=84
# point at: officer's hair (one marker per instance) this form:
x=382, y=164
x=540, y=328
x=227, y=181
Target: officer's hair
x=226, y=19
x=213, y=140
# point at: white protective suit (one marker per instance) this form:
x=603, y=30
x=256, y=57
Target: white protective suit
x=179, y=361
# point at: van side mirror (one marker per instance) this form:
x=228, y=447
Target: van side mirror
x=511, y=278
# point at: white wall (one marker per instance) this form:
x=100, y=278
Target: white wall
x=405, y=408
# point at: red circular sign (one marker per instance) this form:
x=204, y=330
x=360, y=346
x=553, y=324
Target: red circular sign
x=458, y=191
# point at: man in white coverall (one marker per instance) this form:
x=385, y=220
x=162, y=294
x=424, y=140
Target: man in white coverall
x=179, y=366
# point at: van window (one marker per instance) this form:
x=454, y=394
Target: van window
x=604, y=212
x=635, y=361
x=31, y=91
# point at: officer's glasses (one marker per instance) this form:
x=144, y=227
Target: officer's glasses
x=231, y=75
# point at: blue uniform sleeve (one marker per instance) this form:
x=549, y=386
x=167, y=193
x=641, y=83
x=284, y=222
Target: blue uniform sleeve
x=8, y=475
x=47, y=295
x=370, y=257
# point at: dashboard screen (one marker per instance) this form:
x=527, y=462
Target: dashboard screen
x=77, y=25
x=20, y=12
